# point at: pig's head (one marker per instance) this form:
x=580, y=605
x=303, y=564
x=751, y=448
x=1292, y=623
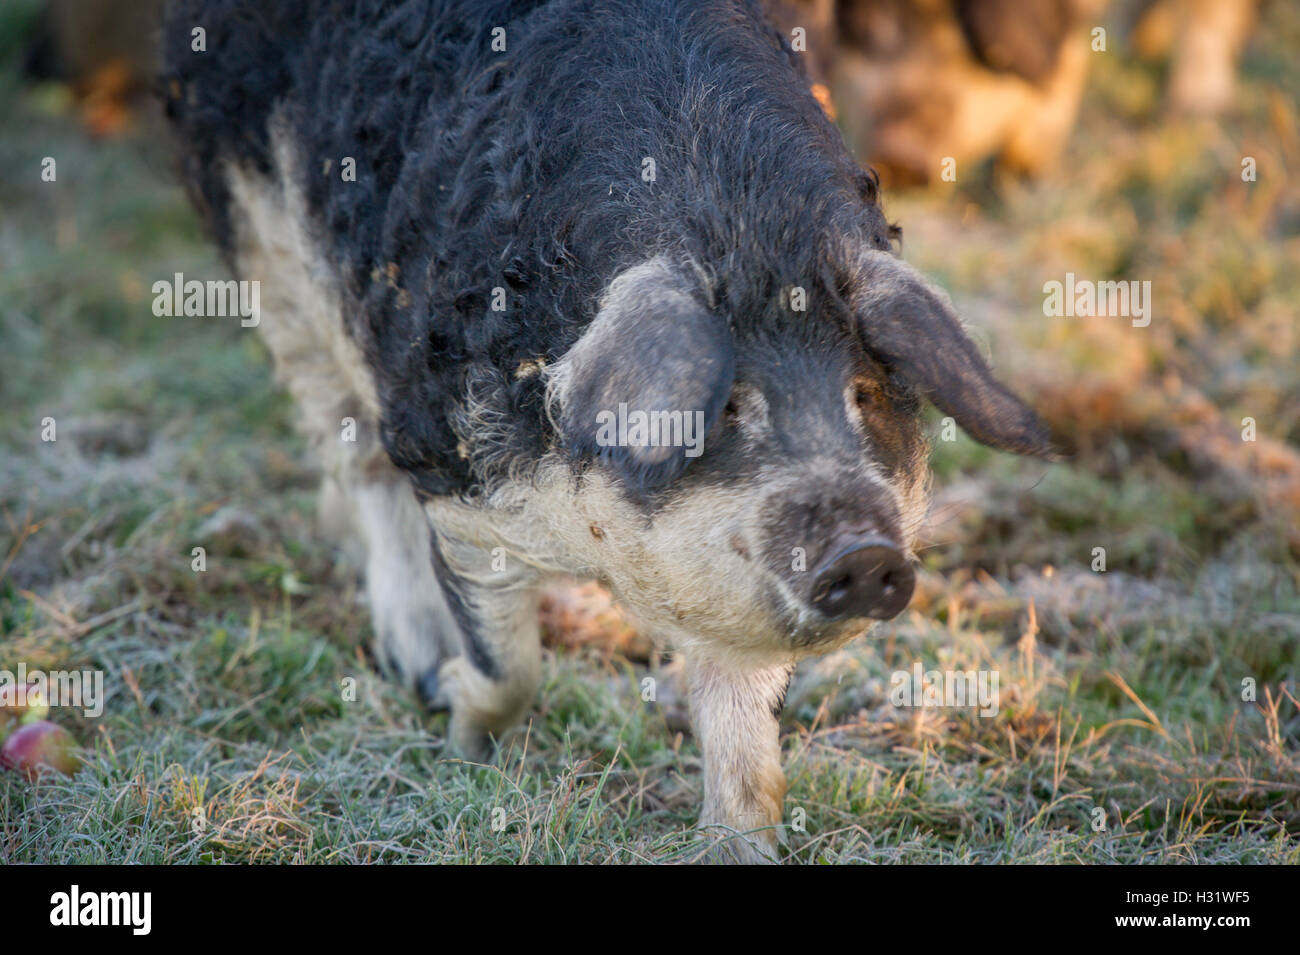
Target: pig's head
x=781, y=512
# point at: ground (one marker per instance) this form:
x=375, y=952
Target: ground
x=1122, y=735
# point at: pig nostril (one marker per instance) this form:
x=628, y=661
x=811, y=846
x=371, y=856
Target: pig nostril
x=832, y=590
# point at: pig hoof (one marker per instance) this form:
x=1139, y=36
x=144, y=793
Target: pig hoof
x=733, y=848
x=427, y=689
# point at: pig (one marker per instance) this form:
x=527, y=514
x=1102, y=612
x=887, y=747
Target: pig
x=592, y=290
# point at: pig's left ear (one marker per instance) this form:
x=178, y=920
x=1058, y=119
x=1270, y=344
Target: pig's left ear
x=911, y=326
x=653, y=347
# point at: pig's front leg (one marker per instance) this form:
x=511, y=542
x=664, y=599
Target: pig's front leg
x=490, y=683
x=736, y=714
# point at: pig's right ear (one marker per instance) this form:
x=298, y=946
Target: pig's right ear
x=653, y=347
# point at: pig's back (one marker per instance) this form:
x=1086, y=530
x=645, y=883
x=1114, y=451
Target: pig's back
x=604, y=133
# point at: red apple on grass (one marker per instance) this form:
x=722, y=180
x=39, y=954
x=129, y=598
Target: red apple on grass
x=39, y=747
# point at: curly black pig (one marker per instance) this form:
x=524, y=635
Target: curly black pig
x=605, y=296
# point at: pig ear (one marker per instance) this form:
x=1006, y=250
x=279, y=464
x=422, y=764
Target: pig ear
x=653, y=347
x=911, y=326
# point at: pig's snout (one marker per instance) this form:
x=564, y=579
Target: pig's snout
x=866, y=577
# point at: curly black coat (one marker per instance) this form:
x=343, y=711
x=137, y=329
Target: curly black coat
x=522, y=170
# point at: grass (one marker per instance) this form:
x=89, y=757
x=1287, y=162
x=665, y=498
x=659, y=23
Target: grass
x=244, y=722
